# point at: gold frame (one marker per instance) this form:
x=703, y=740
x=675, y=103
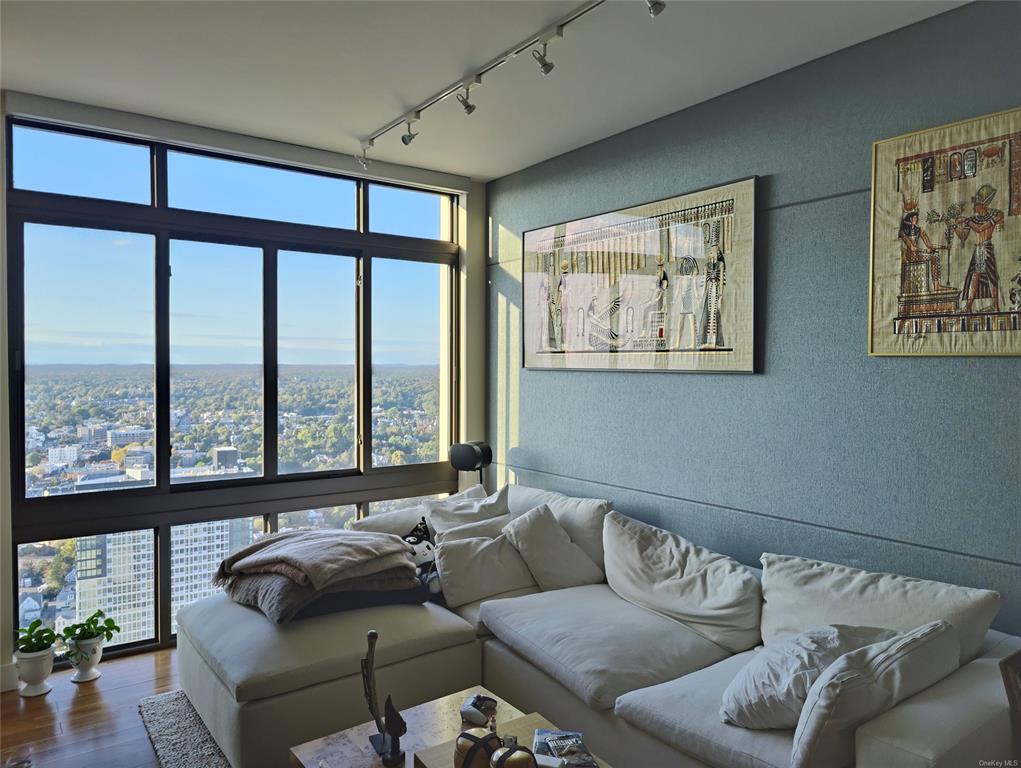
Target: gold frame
x=872, y=238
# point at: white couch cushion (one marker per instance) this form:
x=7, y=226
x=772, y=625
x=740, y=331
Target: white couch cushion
x=486, y=529
x=801, y=594
x=711, y=593
x=444, y=514
x=255, y=658
x=555, y=561
x=401, y=521
x=682, y=713
x=770, y=691
x=474, y=569
x=472, y=612
x=581, y=518
x=865, y=683
x=595, y=644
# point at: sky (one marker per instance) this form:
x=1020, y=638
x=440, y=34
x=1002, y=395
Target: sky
x=89, y=294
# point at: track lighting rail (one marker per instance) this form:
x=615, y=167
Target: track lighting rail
x=539, y=38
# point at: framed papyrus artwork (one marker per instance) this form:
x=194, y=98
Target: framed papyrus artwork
x=946, y=240
x=665, y=286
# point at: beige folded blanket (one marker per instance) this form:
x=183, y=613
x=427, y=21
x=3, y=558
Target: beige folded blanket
x=321, y=559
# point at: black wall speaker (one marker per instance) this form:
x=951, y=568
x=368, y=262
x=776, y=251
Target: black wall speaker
x=466, y=457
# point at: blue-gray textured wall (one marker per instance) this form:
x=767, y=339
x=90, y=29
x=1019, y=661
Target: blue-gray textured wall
x=911, y=465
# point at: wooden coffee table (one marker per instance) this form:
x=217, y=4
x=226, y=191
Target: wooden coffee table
x=429, y=724
x=432, y=729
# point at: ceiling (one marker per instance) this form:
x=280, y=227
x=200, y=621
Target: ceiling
x=325, y=74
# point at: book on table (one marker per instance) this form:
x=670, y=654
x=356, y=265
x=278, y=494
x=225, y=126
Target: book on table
x=568, y=745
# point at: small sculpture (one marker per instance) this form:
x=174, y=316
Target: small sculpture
x=391, y=727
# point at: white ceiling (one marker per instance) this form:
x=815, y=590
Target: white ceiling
x=325, y=74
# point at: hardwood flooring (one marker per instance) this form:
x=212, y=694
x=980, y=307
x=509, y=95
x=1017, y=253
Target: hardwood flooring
x=93, y=723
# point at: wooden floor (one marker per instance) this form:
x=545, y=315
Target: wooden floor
x=93, y=723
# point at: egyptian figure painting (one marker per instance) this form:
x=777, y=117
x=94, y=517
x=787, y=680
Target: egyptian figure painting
x=662, y=286
x=946, y=240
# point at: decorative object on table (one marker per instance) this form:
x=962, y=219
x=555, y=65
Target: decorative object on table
x=84, y=643
x=423, y=556
x=513, y=757
x=478, y=709
x=474, y=748
x=1010, y=668
x=470, y=457
x=387, y=742
x=946, y=240
x=567, y=745
x=665, y=286
x=34, y=657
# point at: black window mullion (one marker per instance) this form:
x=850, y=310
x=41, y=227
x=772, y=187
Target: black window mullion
x=363, y=206
x=163, y=584
x=364, y=363
x=269, y=365
x=159, y=176
x=162, y=448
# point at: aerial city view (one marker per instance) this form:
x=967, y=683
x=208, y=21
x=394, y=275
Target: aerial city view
x=90, y=428
x=90, y=316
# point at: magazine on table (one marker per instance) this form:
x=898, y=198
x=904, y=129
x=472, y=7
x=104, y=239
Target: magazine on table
x=568, y=745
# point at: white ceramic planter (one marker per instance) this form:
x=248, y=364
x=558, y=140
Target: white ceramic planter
x=33, y=669
x=84, y=656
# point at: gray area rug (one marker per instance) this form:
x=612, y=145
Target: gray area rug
x=178, y=734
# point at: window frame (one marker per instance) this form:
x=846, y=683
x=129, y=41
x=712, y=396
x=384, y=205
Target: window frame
x=166, y=504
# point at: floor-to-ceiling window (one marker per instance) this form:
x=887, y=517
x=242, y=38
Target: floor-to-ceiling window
x=204, y=350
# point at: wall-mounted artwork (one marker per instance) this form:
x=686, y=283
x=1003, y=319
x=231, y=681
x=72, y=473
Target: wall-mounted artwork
x=946, y=240
x=665, y=286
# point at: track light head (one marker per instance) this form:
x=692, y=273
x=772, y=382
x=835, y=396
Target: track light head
x=545, y=65
x=363, y=159
x=408, y=137
x=656, y=7
x=466, y=105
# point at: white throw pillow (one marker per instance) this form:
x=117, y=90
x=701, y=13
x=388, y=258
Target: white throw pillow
x=581, y=518
x=555, y=561
x=800, y=594
x=863, y=684
x=401, y=521
x=474, y=569
x=710, y=593
x=770, y=690
x=451, y=513
x=486, y=529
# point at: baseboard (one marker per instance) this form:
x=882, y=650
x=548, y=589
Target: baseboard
x=8, y=677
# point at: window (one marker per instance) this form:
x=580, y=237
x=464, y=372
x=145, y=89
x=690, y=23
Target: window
x=409, y=212
x=409, y=353
x=215, y=361
x=322, y=517
x=195, y=553
x=173, y=367
x=89, y=360
x=317, y=428
x=64, y=581
x=69, y=164
x=202, y=183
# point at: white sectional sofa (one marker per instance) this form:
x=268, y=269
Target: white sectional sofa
x=644, y=688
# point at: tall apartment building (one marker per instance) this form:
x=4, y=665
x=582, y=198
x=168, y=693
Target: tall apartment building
x=116, y=575
x=115, y=571
x=195, y=552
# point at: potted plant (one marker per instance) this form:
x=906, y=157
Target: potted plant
x=34, y=657
x=84, y=643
